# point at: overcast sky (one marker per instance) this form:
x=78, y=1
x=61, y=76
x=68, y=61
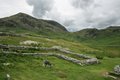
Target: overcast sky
x=73, y=14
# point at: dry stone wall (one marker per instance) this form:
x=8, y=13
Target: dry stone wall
x=87, y=59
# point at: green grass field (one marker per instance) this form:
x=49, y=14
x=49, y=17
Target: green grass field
x=31, y=68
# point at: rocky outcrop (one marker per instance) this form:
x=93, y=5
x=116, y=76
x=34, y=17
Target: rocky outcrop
x=117, y=69
x=115, y=74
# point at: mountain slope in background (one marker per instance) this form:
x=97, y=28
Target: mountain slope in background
x=105, y=39
x=23, y=21
x=94, y=33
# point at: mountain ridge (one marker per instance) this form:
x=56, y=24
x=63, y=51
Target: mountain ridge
x=93, y=32
x=27, y=22
x=22, y=21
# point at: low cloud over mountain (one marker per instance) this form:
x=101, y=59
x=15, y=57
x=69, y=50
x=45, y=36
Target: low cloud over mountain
x=74, y=14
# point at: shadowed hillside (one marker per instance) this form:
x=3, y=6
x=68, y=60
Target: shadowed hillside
x=24, y=22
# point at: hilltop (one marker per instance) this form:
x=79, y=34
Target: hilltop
x=24, y=22
x=93, y=33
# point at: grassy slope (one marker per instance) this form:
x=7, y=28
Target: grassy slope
x=46, y=42
x=107, y=40
x=110, y=45
x=30, y=68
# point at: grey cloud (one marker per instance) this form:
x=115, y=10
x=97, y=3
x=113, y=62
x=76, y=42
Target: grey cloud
x=40, y=7
x=82, y=3
x=97, y=14
x=68, y=22
x=86, y=13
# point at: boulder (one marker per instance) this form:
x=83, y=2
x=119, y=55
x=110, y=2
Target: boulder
x=7, y=77
x=117, y=69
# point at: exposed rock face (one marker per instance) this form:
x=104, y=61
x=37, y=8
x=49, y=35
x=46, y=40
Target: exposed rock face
x=117, y=69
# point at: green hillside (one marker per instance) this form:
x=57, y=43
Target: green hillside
x=23, y=22
x=25, y=42
x=29, y=67
x=107, y=39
